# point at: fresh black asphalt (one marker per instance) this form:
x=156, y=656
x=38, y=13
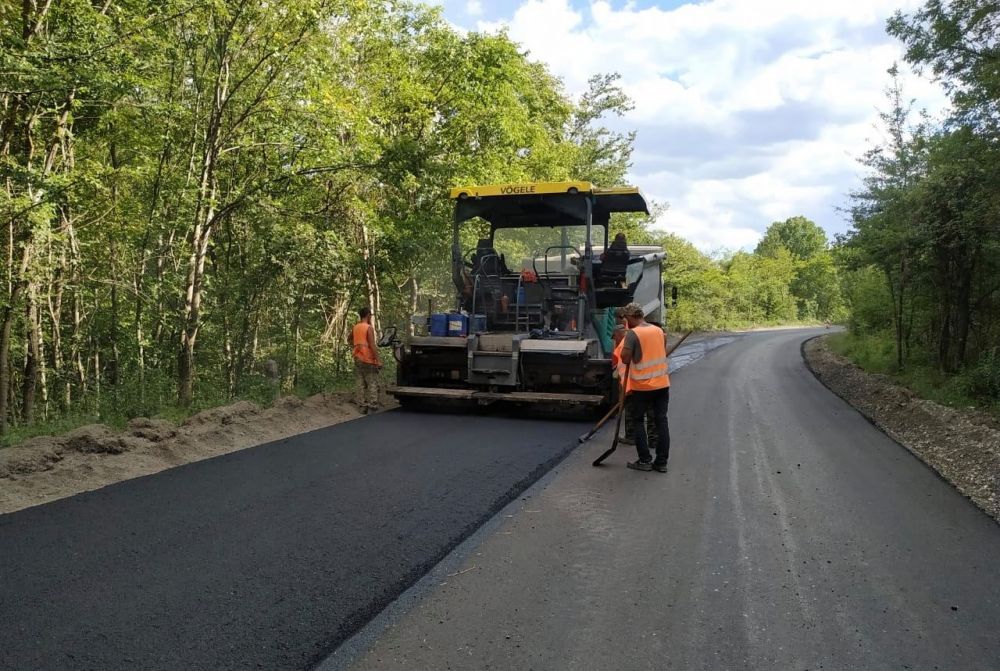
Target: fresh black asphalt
x=265, y=558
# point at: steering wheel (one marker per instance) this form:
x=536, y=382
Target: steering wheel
x=467, y=256
x=548, y=249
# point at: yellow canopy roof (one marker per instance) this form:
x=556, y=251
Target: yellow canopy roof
x=521, y=189
x=615, y=199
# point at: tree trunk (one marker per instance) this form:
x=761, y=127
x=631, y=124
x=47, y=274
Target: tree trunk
x=6, y=324
x=201, y=231
x=76, y=346
x=139, y=336
x=97, y=374
x=900, y=308
x=963, y=314
x=5, y=379
x=296, y=338
x=53, y=301
x=371, y=279
x=29, y=383
x=227, y=355
x=414, y=301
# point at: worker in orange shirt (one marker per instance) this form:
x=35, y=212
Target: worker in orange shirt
x=644, y=351
x=366, y=362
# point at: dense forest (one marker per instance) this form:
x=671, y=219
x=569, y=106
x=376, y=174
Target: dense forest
x=921, y=272
x=193, y=188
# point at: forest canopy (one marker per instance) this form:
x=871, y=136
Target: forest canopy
x=191, y=188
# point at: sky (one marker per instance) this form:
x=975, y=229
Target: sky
x=746, y=111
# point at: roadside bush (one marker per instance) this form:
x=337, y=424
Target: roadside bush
x=867, y=297
x=875, y=353
x=982, y=381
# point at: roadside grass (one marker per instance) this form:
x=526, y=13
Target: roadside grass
x=877, y=354
x=740, y=326
x=156, y=398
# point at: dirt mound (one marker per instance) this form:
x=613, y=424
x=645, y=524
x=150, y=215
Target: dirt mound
x=226, y=414
x=153, y=430
x=288, y=403
x=963, y=445
x=94, y=439
x=31, y=456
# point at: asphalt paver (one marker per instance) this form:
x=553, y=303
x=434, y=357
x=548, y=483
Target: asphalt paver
x=265, y=558
x=789, y=533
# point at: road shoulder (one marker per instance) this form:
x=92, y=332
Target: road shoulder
x=48, y=468
x=961, y=445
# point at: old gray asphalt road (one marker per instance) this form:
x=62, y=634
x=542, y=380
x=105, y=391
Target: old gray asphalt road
x=788, y=534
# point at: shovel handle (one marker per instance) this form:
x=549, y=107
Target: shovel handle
x=678, y=343
x=611, y=413
x=618, y=424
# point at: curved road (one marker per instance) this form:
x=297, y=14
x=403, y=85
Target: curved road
x=788, y=534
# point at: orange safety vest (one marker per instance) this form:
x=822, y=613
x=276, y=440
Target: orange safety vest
x=616, y=355
x=616, y=360
x=651, y=373
x=362, y=350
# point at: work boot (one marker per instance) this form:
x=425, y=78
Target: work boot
x=640, y=465
x=662, y=468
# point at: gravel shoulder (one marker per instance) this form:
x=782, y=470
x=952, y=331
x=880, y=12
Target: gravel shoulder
x=962, y=445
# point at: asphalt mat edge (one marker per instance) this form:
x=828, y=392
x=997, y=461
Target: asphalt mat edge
x=420, y=578
x=358, y=644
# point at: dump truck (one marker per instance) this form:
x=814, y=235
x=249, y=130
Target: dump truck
x=535, y=299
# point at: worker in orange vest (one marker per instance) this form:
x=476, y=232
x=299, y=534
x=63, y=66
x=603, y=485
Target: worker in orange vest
x=366, y=362
x=652, y=438
x=647, y=386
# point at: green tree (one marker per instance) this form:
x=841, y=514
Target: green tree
x=816, y=286
x=817, y=289
x=700, y=282
x=882, y=212
x=602, y=156
x=800, y=236
x=957, y=40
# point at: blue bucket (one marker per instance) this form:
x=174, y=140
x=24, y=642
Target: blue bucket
x=439, y=325
x=478, y=323
x=458, y=324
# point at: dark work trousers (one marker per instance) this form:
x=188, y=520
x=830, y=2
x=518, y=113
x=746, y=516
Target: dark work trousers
x=652, y=438
x=641, y=404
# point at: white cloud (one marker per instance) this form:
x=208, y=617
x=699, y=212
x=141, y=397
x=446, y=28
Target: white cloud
x=474, y=8
x=747, y=112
